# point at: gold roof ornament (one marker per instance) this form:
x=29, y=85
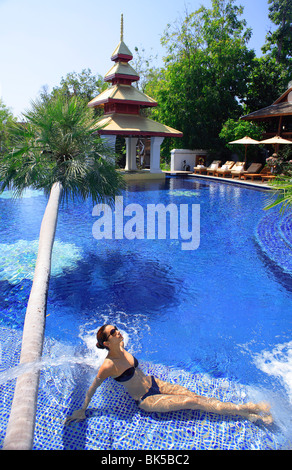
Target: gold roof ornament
x=122, y=27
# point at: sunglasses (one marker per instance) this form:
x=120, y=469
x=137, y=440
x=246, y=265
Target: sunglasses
x=112, y=332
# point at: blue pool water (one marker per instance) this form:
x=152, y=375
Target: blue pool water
x=216, y=319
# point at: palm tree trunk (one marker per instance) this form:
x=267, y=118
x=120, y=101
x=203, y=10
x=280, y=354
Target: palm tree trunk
x=20, y=430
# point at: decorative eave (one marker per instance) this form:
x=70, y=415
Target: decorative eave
x=281, y=107
x=275, y=110
x=129, y=125
x=121, y=70
x=122, y=52
x=122, y=93
x=285, y=97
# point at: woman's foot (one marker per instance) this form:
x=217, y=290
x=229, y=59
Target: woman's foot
x=267, y=419
x=258, y=412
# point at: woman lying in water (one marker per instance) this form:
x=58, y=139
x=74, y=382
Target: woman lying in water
x=152, y=394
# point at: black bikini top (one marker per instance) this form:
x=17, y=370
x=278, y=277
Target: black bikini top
x=128, y=374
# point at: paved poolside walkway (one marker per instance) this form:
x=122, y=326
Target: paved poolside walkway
x=255, y=184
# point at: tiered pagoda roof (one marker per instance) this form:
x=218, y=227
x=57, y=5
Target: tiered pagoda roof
x=122, y=102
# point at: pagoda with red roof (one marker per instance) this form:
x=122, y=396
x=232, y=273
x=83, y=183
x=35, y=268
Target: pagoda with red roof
x=122, y=103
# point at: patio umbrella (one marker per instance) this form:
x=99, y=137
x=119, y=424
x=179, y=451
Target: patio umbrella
x=276, y=140
x=245, y=141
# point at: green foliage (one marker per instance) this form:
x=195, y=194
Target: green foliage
x=279, y=42
x=143, y=65
x=84, y=85
x=6, y=118
x=204, y=78
x=58, y=143
x=282, y=162
x=234, y=130
x=282, y=196
x=266, y=82
x=271, y=73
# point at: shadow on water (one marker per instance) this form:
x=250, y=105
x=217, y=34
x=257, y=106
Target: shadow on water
x=128, y=281
x=13, y=302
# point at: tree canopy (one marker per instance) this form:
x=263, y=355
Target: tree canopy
x=279, y=42
x=6, y=118
x=204, y=79
x=211, y=75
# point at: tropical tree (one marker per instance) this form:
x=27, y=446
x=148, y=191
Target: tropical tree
x=267, y=80
x=237, y=129
x=56, y=149
x=279, y=42
x=278, y=54
x=271, y=73
x=6, y=117
x=84, y=85
x=203, y=81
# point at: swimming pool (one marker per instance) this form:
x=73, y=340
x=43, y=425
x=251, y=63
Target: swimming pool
x=216, y=319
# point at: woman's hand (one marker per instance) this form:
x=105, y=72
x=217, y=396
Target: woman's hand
x=78, y=415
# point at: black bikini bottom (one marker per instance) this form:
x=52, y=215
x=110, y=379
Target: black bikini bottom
x=153, y=390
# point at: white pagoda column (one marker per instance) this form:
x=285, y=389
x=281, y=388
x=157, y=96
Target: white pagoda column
x=155, y=154
x=131, y=143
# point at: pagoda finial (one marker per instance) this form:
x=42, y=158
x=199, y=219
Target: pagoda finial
x=122, y=27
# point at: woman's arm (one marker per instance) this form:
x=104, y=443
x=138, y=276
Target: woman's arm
x=79, y=415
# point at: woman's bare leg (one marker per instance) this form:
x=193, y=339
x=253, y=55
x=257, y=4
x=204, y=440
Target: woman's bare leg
x=167, y=388
x=175, y=397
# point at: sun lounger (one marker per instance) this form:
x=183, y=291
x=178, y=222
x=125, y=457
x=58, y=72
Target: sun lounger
x=225, y=169
x=203, y=169
x=253, y=168
x=268, y=177
x=237, y=169
x=200, y=169
x=265, y=172
x=213, y=167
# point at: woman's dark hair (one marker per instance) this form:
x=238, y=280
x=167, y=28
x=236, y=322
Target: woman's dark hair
x=101, y=336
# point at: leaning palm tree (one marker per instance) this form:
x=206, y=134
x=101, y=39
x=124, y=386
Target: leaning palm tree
x=56, y=149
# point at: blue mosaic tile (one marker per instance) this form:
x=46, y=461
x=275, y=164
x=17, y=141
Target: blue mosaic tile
x=113, y=419
x=274, y=235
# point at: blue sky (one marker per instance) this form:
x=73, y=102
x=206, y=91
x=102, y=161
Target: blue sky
x=42, y=41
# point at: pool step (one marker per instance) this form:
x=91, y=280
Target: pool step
x=274, y=235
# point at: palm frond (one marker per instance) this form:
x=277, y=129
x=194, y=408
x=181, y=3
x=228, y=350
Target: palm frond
x=59, y=143
x=282, y=196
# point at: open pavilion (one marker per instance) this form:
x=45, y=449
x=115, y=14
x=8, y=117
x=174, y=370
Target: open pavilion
x=277, y=117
